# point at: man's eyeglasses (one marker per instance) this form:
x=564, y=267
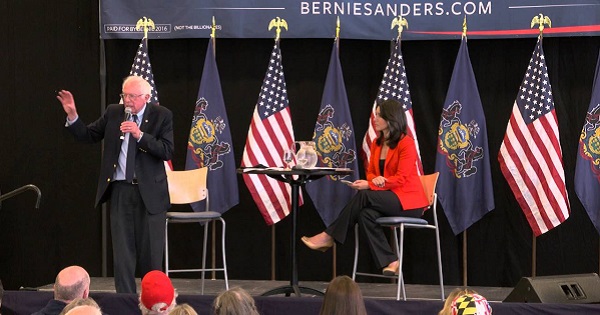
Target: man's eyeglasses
x=130, y=96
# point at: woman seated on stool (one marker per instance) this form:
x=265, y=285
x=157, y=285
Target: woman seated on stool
x=392, y=188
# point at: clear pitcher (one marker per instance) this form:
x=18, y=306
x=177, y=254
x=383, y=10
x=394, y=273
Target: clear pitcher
x=306, y=156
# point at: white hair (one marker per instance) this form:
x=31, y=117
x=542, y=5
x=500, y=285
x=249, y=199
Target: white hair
x=156, y=308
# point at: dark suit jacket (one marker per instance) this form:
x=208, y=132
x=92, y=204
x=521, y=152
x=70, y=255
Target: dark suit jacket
x=54, y=307
x=401, y=173
x=155, y=147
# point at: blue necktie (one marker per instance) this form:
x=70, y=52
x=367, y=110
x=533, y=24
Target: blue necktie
x=131, y=149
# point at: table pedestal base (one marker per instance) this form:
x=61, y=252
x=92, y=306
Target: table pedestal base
x=295, y=289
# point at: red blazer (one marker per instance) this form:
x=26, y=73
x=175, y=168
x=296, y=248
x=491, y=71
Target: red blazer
x=401, y=173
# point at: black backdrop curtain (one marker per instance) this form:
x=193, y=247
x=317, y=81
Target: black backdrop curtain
x=62, y=51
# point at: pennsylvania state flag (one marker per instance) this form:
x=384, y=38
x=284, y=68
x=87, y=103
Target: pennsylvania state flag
x=334, y=137
x=587, y=170
x=210, y=142
x=465, y=183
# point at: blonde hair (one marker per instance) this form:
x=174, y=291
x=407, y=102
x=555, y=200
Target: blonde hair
x=447, y=310
x=235, y=301
x=79, y=302
x=183, y=309
x=85, y=309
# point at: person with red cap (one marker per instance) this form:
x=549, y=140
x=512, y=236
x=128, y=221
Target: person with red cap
x=158, y=295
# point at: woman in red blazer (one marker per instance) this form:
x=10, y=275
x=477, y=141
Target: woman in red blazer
x=392, y=188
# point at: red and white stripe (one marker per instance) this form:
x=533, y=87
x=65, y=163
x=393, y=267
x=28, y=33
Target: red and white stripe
x=531, y=160
x=267, y=139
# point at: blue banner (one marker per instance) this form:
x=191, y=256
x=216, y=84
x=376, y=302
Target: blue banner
x=370, y=19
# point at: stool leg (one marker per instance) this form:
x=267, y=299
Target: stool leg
x=224, y=259
x=167, y=247
x=355, y=252
x=439, y=258
x=400, y=251
x=206, y=224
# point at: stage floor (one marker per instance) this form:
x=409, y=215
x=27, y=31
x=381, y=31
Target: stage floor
x=257, y=287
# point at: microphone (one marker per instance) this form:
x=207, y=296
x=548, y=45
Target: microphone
x=126, y=118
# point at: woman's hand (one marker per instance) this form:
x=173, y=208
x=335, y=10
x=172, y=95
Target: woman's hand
x=379, y=181
x=360, y=184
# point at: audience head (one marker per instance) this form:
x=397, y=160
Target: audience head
x=84, y=310
x=343, y=297
x=79, y=302
x=471, y=304
x=158, y=295
x=71, y=283
x=235, y=301
x=183, y=309
x=463, y=301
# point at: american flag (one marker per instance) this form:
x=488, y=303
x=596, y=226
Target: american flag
x=530, y=155
x=270, y=133
x=141, y=67
x=394, y=85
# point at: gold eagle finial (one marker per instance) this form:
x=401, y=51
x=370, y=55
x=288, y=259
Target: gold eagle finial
x=464, y=27
x=541, y=20
x=145, y=23
x=213, y=28
x=278, y=23
x=337, y=28
x=401, y=23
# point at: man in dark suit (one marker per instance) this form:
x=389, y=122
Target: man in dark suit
x=136, y=186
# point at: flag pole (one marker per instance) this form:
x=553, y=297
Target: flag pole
x=276, y=23
x=541, y=20
x=213, y=252
x=464, y=254
x=533, y=255
x=464, y=247
x=337, y=42
x=273, y=252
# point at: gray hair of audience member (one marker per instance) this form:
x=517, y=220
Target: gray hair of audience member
x=84, y=310
x=167, y=308
x=343, y=297
x=72, y=282
x=79, y=302
x=183, y=309
x=235, y=301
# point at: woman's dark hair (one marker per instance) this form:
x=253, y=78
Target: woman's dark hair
x=392, y=112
